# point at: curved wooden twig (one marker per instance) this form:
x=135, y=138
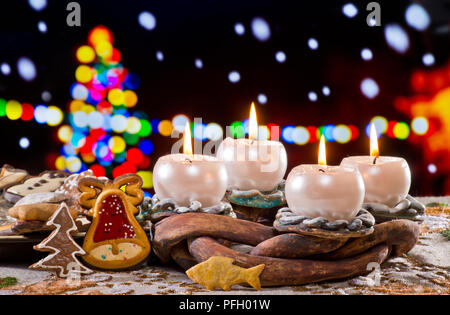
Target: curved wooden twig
x=174, y=229
x=296, y=246
x=279, y=271
x=181, y=256
x=401, y=235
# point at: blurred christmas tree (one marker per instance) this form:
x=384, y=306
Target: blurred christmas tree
x=101, y=133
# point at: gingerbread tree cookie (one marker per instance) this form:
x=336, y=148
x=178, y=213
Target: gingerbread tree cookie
x=62, y=246
x=115, y=240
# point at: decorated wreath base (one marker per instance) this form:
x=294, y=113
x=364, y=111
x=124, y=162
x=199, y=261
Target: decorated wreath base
x=288, y=222
x=409, y=208
x=257, y=206
x=155, y=210
x=290, y=257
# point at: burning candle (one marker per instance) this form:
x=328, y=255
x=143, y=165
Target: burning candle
x=387, y=179
x=252, y=163
x=319, y=190
x=188, y=177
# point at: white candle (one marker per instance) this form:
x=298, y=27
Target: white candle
x=252, y=163
x=318, y=190
x=188, y=177
x=387, y=179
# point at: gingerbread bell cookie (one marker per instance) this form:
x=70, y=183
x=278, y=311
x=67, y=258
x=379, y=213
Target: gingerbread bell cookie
x=115, y=240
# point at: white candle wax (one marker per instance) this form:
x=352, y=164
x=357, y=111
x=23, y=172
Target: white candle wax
x=253, y=164
x=332, y=192
x=387, y=181
x=185, y=178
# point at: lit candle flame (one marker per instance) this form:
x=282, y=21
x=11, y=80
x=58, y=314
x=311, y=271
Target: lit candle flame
x=322, y=153
x=253, y=124
x=187, y=144
x=373, y=141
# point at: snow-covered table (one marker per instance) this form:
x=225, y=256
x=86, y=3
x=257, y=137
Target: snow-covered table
x=425, y=270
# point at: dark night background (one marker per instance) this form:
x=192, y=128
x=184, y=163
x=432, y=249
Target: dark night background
x=187, y=30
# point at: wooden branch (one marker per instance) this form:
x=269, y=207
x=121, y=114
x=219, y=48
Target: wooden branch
x=401, y=235
x=296, y=246
x=182, y=257
x=174, y=229
x=279, y=271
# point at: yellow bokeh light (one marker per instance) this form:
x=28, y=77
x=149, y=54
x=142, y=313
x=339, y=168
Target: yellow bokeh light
x=342, y=133
x=73, y=164
x=116, y=144
x=147, y=178
x=65, y=133
x=116, y=97
x=76, y=106
x=381, y=124
x=88, y=108
x=60, y=163
x=13, y=110
x=401, y=130
x=54, y=116
x=133, y=125
x=129, y=98
x=88, y=157
x=85, y=54
x=104, y=49
x=99, y=34
x=84, y=74
x=165, y=128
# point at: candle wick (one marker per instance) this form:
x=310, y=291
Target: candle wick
x=375, y=160
x=321, y=170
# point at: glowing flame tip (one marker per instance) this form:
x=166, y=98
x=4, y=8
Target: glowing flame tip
x=253, y=124
x=322, y=152
x=373, y=141
x=187, y=144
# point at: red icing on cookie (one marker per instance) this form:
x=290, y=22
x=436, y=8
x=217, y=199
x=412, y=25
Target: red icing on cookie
x=113, y=222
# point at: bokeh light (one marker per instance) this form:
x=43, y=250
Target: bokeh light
x=401, y=130
x=147, y=20
x=24, y=143
x=313, y=44
x=349, y=10
x=420, y=125
x=280, y=56
x=369, y=88
x=5, y=68
x=260, y=29
x=417, y=17
x=366, y=54
x=26, y=69
x=234, y=77
x=239, y=29
x=396, y=37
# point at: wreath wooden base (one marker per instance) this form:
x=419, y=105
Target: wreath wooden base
x=289, y=258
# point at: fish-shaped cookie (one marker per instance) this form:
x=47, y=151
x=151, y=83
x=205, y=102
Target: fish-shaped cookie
x=219, y=272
